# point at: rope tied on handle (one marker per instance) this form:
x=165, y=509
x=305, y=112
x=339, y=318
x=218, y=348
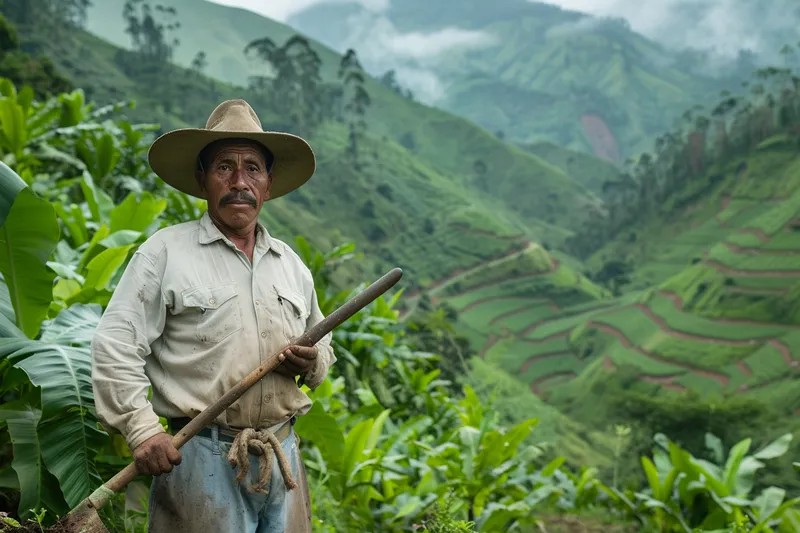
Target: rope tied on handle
x=264, y=445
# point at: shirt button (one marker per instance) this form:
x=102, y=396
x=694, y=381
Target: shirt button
x=263, y=333
x=267, y=398
x=258, y=302
x=212, y=301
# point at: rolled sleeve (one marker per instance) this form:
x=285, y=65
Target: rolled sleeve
x=132, y=321
x=325, y=353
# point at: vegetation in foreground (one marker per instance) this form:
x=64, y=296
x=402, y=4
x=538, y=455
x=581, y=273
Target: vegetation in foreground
x=386, y=449
x=389, y=444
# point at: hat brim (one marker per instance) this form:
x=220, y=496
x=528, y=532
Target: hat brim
x=173, y=157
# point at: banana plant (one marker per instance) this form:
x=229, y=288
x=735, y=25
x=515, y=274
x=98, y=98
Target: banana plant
x=28, y=236
x=688, y=492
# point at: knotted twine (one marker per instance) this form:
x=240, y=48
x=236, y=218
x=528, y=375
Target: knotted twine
x=264, y=445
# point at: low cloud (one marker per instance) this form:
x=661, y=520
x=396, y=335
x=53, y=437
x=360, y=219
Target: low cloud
x=722, y=26
x=426, y=46
x=582, y=25
x=416, y=57
x=283, y=9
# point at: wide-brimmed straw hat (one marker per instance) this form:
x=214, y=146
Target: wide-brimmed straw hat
x=173, y=156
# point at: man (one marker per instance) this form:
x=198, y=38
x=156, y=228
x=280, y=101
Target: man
x=199, y=306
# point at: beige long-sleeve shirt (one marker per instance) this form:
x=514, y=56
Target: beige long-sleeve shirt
x=191, y=316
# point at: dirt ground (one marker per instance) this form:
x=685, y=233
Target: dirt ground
x=582, y=524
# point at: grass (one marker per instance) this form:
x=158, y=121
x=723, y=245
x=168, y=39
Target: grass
x=591, y=171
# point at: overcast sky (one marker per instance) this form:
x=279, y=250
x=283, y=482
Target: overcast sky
x=282, y=9
x=725, y=26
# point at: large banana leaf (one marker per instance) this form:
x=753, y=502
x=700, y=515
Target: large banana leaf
x=68, y=432
x=10, y=185
x=7, y=316
x=322, y=429
x=137, y=214
x=27, y=240
x=37, y=486
x=73, y=326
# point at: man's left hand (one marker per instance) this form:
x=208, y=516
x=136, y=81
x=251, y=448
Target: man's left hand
x=299, y=361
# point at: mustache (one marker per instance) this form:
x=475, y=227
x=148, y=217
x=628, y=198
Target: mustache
x=237, y=196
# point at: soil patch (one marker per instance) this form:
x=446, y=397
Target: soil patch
x=581, y=524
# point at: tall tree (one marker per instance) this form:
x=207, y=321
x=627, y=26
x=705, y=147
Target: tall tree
x=150, y=29
x=292, y=82
x=51, y=17
x=356, y=101
x=199, y=63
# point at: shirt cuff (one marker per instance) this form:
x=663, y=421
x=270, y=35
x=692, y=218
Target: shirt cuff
x=142, y=426
x=319, y=372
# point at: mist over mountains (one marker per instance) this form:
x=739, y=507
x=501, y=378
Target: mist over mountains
x=414, y=37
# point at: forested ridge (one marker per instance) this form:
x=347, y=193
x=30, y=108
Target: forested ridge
x=426, y=422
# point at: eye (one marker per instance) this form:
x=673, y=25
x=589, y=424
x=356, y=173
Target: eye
x=253, y=168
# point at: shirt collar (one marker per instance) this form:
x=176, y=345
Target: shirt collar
x=209, y=232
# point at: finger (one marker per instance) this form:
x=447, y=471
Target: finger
x=301, y=367
x=141, y=467
x=163, y=461
x=174, y=455
x=306, y=352
x=283, y=370
x=293, y=367
x=152, y=464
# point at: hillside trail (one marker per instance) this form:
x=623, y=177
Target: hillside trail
x=554, y=264
x=487, y=233
x=459, y=274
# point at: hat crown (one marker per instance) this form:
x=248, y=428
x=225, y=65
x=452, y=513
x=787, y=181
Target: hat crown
x=234, y=115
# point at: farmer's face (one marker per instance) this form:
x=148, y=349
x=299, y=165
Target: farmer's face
x=237, y=183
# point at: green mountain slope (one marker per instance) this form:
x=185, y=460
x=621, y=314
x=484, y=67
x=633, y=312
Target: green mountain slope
x=710, y=339
x=541, y=73
x=521, y=188
x=427, y=192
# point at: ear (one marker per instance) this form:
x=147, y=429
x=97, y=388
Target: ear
x=201, y=180
x=269, y=186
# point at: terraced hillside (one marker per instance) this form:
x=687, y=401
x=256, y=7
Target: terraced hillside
x=716, y=312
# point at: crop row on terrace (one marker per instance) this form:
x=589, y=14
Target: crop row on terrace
x=669, y=347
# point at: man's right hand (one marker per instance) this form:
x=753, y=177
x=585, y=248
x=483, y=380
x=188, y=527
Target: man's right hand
x=156, y=455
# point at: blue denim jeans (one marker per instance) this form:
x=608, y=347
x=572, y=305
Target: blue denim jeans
x=201, y=494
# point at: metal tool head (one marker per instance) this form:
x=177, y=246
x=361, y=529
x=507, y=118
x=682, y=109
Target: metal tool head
x=82, y=519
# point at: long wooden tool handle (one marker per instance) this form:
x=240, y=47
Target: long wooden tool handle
x=100, y=496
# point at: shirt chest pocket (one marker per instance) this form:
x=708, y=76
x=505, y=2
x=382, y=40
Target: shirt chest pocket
x=216, y=311
x=294, y=311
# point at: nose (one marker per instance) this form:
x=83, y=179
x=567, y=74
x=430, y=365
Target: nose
x=238, y=181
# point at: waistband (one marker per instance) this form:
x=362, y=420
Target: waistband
x=226, y=434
